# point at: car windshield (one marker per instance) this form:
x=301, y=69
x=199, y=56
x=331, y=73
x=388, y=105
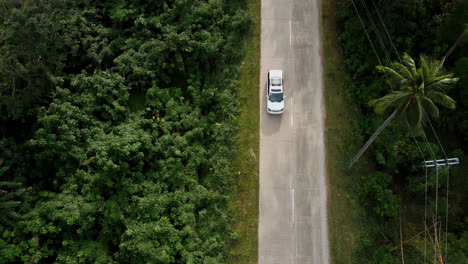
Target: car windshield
x=276, y=97
x=276, y=82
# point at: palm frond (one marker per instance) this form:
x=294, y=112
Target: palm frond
x=420, y=110
x=9, y=204
x=414, y=113
x=406, y=104
x=442, y=99
x=12, y=194
x=425, y=69
x=394, y=78
x=409, y=62
x=406, y=74
x=6, y=184
x=439, y=77
x=393, y=99
x=430, y=107
x=419, y=78
x=442, y=82
x=437, y=67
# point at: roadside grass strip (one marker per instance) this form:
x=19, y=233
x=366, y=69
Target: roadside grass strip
x=343, y=207
x=244, y=249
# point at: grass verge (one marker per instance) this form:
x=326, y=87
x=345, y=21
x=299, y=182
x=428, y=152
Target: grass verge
x=343, y=207
x=244, y=250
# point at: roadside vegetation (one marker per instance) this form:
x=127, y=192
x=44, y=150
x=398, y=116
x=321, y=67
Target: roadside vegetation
x=118, y=124
x=344, y=210
x=245, y=248
x=377, y=208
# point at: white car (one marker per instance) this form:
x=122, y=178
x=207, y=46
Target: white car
x=275, y=92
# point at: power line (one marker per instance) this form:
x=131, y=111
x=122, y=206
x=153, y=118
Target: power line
x=437, y=138
x=425, y=138
x=401, y=61
x=437, y=192
x=386, y=31
x=425, y=219
x=365, y=30
x=380, y=62
x=382, y=44
x=425, y=198
x=425, y=204
x=446, y=214
x=447, y=191
x=427, y=117
x=390, y=62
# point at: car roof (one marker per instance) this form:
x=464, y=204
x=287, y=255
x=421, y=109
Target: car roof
x=277, y=89
x=276, y=73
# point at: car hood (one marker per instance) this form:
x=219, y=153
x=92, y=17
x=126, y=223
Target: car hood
x=275, y=106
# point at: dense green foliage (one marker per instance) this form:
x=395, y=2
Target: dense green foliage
x=417, y=90
x=414, y=96
x=394, y=186
x=110, y=185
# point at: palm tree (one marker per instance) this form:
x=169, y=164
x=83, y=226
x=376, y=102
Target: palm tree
x=415, y=92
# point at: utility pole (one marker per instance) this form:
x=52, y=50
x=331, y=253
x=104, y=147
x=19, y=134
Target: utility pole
x=441, y=162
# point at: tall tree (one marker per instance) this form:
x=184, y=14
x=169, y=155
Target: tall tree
x=415, y=92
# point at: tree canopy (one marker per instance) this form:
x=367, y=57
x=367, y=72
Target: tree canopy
x=416, y=90
x=111, y=185
x=389, y=181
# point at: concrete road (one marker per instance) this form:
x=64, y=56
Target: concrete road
x=293, y=217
